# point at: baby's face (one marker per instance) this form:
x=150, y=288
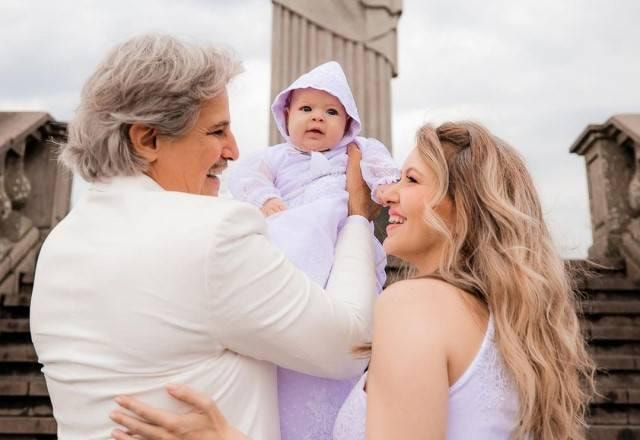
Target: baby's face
x=316, y=120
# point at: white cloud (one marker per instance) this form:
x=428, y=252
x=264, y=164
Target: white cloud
x=536, y=72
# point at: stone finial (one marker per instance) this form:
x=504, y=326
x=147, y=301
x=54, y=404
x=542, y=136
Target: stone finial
x=612, y=154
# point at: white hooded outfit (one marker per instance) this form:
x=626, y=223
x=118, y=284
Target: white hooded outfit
x=312, y=184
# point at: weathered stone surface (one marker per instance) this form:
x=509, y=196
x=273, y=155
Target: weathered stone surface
x=38, y=195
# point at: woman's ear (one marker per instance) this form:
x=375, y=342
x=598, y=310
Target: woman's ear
x=143, y=140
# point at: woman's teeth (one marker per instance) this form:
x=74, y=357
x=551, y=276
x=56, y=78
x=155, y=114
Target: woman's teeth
x=396, y=219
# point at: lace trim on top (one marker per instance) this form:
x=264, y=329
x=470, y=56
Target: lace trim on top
x=492, y=374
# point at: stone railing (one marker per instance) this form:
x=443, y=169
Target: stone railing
x=34, y=196
x=611, y=295
x=612, y=154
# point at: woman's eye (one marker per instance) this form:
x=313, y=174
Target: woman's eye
x=305, y=108
x=217, y=133
x=332, y=112
x=411, y=179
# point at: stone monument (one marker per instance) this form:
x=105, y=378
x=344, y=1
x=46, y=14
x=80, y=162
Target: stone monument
x=360, y=34
x=611, y=295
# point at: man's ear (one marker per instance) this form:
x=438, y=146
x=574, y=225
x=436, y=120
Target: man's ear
x=143, y=140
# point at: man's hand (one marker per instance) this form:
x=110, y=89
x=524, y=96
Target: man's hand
x=360, y=202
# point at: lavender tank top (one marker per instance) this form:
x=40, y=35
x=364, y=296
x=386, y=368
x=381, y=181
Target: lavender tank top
x=483, y=402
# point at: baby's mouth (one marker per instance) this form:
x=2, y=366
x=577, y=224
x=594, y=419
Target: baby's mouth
x=315, y=131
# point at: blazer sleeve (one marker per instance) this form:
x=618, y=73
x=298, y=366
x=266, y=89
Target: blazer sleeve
x=266, y=308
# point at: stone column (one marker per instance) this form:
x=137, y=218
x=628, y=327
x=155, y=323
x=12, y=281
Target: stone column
x=34, y=196
x=612, y=154
x=359, y=34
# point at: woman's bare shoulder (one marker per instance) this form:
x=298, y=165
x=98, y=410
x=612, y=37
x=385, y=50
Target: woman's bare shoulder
x=421, y=292
x=433, y=304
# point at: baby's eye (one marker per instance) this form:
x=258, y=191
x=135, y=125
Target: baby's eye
x=305, y=108
x=332, y=112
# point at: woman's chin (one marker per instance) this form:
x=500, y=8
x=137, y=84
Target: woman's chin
x=389, y=247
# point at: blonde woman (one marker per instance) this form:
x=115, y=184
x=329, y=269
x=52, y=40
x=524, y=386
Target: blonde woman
x=482, y=343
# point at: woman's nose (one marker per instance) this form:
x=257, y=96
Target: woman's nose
x=389, y=194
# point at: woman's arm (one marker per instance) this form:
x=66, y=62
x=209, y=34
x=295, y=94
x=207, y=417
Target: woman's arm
x=265, y=308
x=407, y=384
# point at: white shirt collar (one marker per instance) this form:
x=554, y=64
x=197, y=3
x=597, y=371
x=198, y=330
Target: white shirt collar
x=140, y=182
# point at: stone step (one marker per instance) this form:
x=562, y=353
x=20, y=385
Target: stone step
x=617, y=362
x=27, y=425
x=18, y=299
x=23, y=386
x=595, y=332
x=609, y=415
x=13, y=325
x=613, y=432
x=618, y=396
x=629, y=379
x=604, y=307
x=18, y=352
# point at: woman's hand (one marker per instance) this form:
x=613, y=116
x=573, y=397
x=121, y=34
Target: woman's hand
x=203, y=422
x=360, y=202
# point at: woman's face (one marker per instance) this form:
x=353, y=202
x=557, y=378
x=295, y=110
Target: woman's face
x=409, y=237
x=193, y=162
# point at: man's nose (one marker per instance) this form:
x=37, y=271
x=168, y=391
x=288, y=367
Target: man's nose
x=230, y=150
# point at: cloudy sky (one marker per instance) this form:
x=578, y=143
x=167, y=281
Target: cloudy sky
x=536, y=72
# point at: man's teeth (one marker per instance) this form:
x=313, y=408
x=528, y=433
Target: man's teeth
x=396, y=219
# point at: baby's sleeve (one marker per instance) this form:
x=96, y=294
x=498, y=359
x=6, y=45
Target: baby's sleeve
x=252, y=179
x=377, y=165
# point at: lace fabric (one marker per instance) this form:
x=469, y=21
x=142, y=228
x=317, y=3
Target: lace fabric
x=483, y=402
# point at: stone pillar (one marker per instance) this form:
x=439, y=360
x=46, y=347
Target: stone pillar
x=612, y=154
x=34, y=196
x=359, y=34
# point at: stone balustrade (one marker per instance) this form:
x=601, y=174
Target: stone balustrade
x=34, y=196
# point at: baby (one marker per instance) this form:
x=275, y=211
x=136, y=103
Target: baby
x=300, y=186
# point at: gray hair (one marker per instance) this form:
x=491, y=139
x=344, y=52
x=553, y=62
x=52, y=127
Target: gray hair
x=152, y=79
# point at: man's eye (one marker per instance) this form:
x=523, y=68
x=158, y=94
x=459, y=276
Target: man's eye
x=332, y=112
x=305, y=108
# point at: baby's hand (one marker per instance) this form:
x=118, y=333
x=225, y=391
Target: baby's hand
x=273, y=206
x=379, y=192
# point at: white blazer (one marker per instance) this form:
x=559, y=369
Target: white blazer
x=139, y=287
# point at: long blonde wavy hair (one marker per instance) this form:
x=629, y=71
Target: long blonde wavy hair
x=500, y=249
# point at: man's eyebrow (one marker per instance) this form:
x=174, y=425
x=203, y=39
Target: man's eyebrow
x=219, y=125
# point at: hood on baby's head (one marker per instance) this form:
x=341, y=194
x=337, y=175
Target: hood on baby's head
x=328, y=77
